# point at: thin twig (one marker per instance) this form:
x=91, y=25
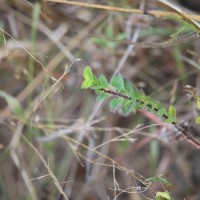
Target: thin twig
x=12, y=148
x=55, y=180
x=154, y=13
x=168, y=43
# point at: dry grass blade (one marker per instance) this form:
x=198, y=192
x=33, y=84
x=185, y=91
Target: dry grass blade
x=12, y=148
x=67, y=69
x=55, y=180
x=155, y=13
x=55, y=61
x=75, y=143
x=30, y=54
x=54, y=36
x=168, y=43
x=177, y=10
x=24, y=174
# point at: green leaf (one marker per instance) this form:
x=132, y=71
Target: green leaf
x=87, y=84
x=142, y=98
x=127, y=106
x=13, y=104
x=149, y=103
x=162, y=112
x=103, y=81
x=172, y=111
x=87, y=74
x=171, y=115
x=115, y=104
x=135, y=95
x=102, y=96
x=159, y=179
x=89, y=78
x=162, y=196
x=157, y=105
x=117, y=81
x=138, y=99
x=128, y=87
x=171, y=120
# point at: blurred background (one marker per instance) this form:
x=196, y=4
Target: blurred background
x=56, y=140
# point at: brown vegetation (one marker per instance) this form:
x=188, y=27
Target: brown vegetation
x=56, y=141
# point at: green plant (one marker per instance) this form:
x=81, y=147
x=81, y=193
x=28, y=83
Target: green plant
x=128, y=98
x=125, y=96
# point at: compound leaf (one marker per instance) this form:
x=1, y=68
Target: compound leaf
x=127, y=97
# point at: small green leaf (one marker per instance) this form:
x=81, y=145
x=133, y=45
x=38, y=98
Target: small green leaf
x=159, y=179
x=162, y=196
x=149, y=103
x=172, y=111
x=89, y=78
x=171, y=120
x=87, y=74
x=103, y=81
x=162, y=112
x=128, y=106
x=115, y=104
x=171, y=115
x=135, y=96
x=13, y=104
x=87, y=84
x=102, y=96
x=197, y=120
x=157, y=105
x=135, y=93
x=117, y=81
x=142, y=97
x=128, y=87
